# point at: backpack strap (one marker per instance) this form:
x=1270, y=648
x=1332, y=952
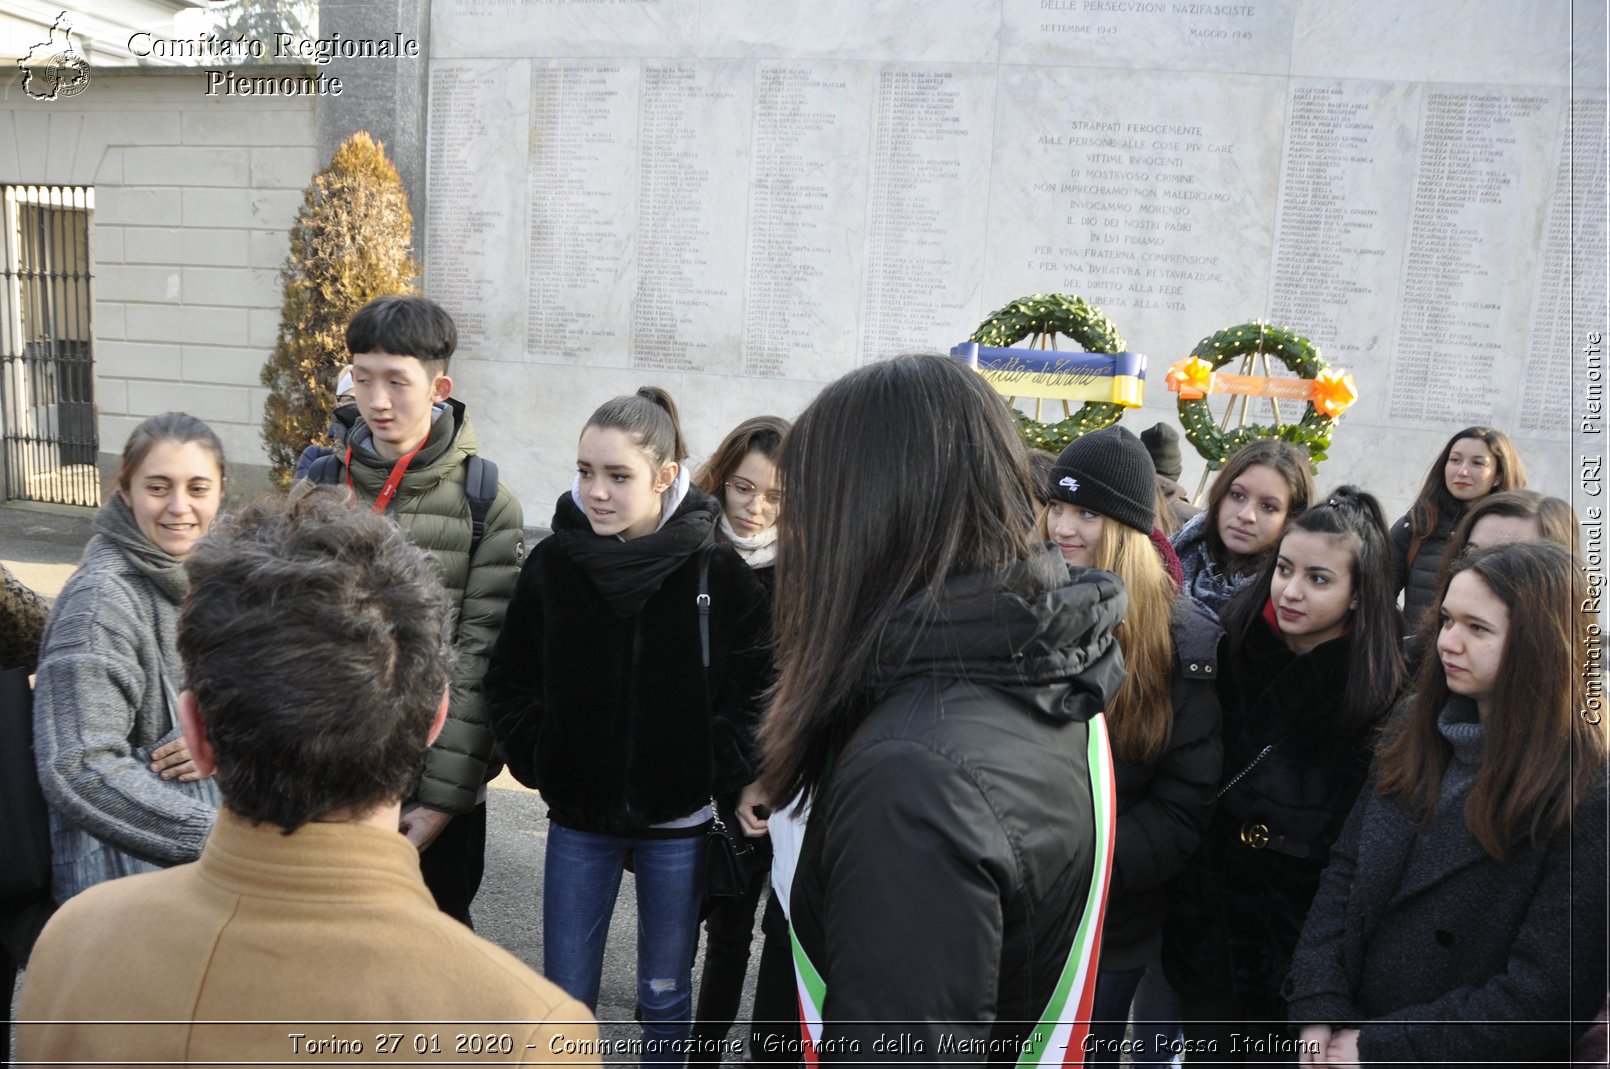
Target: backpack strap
x=326, y=470
x=481, y=488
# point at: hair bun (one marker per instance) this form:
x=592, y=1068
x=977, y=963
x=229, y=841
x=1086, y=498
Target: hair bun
x=1361, y=502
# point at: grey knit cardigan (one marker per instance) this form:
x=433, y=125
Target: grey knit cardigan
x=108, y=668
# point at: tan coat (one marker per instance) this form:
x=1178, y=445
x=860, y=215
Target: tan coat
x=329, y=924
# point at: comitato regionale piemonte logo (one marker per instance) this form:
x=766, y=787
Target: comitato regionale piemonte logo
x=53, y=69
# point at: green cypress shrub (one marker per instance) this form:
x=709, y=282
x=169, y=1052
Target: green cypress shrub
x=352, y=242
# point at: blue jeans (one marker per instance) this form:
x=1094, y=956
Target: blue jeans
x=1109, y=1016
x=580, y=883
x=1116, y=992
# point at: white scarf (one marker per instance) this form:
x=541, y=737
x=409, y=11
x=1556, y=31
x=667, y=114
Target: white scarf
x=757, y=552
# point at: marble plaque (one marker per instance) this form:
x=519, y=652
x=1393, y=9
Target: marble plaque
x=1569, y=301
x=1124, y=191
x=807, y=206
x=475, y=262
x=582, y=230
x=1250, y=37
x=473, y=29
x=741, y=201
x=924, y=278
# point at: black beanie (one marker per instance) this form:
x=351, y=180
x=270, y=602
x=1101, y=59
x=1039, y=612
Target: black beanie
x=1109, y=472
x=1163, y=443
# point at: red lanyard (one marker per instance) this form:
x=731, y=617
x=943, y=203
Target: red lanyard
x=394, y=480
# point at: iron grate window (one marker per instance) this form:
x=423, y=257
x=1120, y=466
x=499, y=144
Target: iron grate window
x=47, y=370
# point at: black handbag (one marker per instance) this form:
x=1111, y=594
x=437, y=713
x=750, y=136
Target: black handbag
x=728, y=858
x=25, y=831
x=728, y=851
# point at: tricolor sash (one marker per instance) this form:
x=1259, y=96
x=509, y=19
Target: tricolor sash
x=1058, y=1039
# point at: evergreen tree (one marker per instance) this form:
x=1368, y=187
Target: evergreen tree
x=351, y=243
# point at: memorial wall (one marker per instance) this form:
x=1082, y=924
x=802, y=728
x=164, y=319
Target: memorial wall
x=741, y=201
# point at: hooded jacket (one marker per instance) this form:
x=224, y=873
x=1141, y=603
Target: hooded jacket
x=597, y=684
x=950, y=848
x=434, y=513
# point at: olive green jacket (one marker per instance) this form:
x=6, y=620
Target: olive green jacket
x=435, y=514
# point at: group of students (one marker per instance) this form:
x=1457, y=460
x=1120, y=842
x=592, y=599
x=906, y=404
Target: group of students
x=913, y=700
x=1372, y=869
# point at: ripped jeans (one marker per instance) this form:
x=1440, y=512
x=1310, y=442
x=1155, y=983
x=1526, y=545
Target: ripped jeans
x=580, y=883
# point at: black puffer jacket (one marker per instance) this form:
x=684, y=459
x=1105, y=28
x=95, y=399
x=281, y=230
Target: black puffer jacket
x=1418, y=578
x=1164, y=808
x=596, y=687
x=1241, y=901
x=945, y=867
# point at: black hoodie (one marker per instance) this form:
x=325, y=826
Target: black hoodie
x=949, y=852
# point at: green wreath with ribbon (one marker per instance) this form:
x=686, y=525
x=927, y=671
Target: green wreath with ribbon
x=1045, y=316
x=1298, y=355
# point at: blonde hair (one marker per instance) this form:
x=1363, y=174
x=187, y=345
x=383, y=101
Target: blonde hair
x=1141, y=715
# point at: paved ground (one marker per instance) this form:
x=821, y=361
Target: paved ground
x=43, y=545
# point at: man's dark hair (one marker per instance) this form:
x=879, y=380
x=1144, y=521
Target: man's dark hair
x=316, y=641
x=405, y=325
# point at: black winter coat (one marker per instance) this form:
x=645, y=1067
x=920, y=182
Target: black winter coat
x=1241, y=901
x=1455, y=964
x=1418, y=578
x=1163, y=808
x=949, y=853
x=608, y=712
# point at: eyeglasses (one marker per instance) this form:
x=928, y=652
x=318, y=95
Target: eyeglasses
x=746, y=491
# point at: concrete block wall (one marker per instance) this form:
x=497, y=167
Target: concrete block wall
x=194, y=200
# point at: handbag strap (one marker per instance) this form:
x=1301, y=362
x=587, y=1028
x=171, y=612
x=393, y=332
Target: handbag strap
x=1250, y=766
x=703, y=602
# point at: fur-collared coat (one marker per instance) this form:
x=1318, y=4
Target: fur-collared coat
x=1241, y=900
x=596, y=686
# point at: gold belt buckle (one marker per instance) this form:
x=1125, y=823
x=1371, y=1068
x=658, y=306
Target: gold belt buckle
x=1255, y=835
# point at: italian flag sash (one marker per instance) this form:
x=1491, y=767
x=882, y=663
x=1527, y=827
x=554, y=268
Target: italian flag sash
x=1059, y=1037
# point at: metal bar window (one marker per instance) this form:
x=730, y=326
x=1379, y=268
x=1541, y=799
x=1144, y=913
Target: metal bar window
x=48, y=440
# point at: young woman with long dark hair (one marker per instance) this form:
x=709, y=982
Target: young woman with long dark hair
x=1311, y=664
x=1475, y=462
x=1462, y=918
x=1164, y=721
x=1224, y=547
x=941, y=676
x=624, y=686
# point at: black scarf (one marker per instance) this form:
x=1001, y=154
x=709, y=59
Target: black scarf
x=628, y=573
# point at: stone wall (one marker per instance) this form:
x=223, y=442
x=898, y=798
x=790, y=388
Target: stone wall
x=742, y=201
x=194, y=199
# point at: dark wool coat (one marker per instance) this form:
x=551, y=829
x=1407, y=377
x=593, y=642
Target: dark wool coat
x=1239, y=907
x=1418, y=578
x=1163, y=808
x=1488, y=946
x=949, y=853
x=612, y=717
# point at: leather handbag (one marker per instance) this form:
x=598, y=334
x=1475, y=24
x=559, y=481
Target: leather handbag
x=728, y=852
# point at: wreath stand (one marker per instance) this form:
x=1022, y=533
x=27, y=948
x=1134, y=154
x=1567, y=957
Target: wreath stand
x=1041, y=318
x=1327, y=392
